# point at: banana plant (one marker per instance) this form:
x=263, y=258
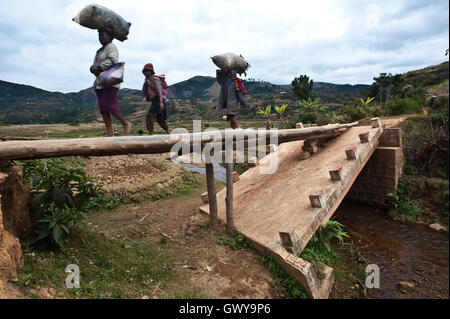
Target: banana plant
x=367, y=101
x=266, y=113
x=280, y=110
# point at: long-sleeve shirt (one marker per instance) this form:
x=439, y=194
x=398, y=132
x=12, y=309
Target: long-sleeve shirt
x=105, y=58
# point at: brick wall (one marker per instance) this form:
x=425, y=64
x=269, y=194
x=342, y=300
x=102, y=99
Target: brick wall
x=381, y=173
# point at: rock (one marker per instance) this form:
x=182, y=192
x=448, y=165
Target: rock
x=313, y=149
x=205, y=198
x=405, y=285
x=304, y=155
x=11, y=258
x=252, y=162
x=273, y=148
x=17, y=217
x=208, y=268
x=438, y=227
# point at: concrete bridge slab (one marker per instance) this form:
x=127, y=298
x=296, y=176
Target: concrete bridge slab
x=267, y=204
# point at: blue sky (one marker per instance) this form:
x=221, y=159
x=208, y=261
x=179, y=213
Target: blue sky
x=340, y=42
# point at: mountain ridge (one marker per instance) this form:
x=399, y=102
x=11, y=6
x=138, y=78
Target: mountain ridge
x=23, y=104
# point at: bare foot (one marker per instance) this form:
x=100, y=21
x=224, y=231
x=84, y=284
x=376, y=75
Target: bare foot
x=127, y=128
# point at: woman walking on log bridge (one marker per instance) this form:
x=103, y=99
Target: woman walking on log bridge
x=154, y=90
x=108, y=103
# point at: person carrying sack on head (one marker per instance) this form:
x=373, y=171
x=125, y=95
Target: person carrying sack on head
x=155, y=91
x=231, y=96
x=108, y=103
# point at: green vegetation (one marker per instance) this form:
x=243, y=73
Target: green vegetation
x=281, y=110
x=294, y=290
x=410, y=170
x=60, y=196
x=425, y=143
x=386, y=86
x=328, y=247
x=404, y=106
x=402, y=208
x=319, y=249
x=266, y=113
x=310, y=111
x=302, y=88
x=236, y=243
x=109, y=268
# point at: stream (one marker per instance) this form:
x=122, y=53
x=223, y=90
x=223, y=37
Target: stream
x=220, y=172
x=408, y=253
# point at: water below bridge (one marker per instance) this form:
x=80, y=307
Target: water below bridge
x=404, y=252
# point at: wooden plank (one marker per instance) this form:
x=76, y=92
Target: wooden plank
x=104, y=146
x=212, y=198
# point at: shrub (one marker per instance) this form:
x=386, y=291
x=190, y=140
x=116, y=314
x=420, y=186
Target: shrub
x=310, y=111
x=236, y=243
x=410, y=170
x=293, y=288
x=401, y=207
x=60, y=197
x=352, y=112
x=425, y=144
x=404, y=106
x=319, y=246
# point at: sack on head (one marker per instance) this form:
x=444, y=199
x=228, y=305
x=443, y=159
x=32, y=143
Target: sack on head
x=229, y=61
x=95, y=16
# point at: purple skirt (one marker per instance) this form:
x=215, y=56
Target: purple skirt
x=107, y=100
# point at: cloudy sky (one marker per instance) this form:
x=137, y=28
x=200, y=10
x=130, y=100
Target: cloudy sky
x=345, y=41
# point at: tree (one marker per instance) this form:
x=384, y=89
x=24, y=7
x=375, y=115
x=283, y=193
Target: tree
x=310, y=111
x=303, y=88
x=386, y=87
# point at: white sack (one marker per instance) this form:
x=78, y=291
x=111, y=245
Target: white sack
x=95, y=16
x=228, y=61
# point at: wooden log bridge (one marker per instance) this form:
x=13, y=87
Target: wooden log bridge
x=105, y=146
x=278, y=212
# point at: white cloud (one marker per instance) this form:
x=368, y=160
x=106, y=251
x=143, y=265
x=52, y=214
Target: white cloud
x=340, y=42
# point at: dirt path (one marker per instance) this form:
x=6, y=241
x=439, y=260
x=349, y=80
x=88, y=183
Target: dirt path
x=393, y=122
x=214, y=270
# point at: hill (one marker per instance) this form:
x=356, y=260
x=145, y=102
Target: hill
x=23, y=104
x=428, y=76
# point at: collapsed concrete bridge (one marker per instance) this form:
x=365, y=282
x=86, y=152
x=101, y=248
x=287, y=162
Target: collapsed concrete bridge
x=316, y=168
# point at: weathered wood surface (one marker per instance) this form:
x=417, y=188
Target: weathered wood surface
x=267, y=204
x=104, y=146
x=212, y=198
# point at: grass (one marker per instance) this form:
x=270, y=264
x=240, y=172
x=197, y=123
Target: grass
x=401, y=206
x=108, y=268
x=97, y=129
x=236, y=243
x=293, y=288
